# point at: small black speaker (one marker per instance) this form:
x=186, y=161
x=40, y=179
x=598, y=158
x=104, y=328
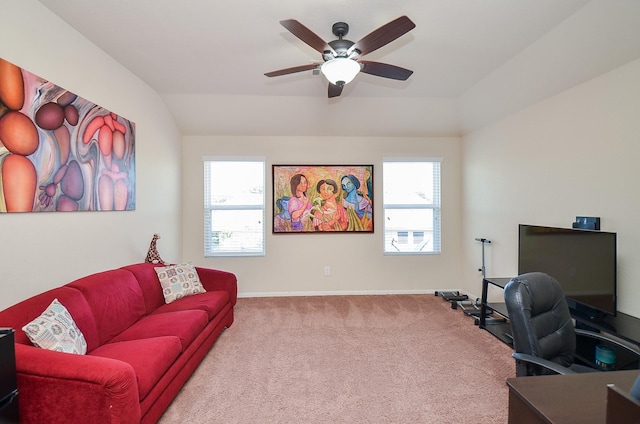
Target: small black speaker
x=587, y=222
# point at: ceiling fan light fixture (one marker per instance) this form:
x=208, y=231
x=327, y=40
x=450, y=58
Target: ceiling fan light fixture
x=341, y=57
x=340, y=71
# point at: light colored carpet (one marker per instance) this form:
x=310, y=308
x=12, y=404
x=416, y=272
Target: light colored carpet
x=349, y=359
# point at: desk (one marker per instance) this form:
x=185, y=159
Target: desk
x=623, y=326
x=564, y=399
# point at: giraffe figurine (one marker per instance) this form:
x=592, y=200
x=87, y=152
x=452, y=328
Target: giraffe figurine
x=152, y=255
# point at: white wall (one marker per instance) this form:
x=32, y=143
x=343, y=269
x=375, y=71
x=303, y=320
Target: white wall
x=574, y=154
x=39, y=251
x=294, y=263
x=599, y=37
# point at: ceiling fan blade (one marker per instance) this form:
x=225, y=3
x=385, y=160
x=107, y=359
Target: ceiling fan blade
x=385, y=70
x=306, y=35
x=384, y=35
x=292, y=70
x=335, y=90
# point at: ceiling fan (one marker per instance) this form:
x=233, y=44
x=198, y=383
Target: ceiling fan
x=342, y=57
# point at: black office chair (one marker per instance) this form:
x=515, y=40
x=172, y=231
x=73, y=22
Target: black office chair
x=544, y=337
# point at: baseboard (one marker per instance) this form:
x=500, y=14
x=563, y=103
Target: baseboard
x=334, y=293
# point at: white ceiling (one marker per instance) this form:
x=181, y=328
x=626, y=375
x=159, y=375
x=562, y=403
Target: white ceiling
x=206, y=58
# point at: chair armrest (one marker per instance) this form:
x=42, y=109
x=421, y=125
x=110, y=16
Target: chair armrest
x=551, y=366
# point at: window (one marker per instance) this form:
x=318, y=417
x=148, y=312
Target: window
x=411, y=190
x=234, y=212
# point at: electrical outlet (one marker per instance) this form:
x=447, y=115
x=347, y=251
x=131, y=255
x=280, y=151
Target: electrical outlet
x=327, y=270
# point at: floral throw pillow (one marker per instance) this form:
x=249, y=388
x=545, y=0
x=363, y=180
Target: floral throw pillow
x=179, y=281
x=56, y=330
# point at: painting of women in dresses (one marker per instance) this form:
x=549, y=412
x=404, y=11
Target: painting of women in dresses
x=322, y=199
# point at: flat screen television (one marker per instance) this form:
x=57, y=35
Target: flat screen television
x=583, y=261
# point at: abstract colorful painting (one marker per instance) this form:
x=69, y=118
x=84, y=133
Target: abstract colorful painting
x=60, y=152
x=321, y=199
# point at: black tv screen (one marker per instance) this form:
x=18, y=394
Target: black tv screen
x=583, y=261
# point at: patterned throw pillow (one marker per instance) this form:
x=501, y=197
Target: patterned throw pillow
x=179, y=281
x=56, y=330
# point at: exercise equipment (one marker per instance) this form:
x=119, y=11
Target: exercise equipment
x=472, y=308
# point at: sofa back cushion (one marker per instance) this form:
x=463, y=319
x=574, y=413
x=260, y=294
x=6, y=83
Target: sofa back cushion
x=18, y=315
x=115, y=298
x=148, y=280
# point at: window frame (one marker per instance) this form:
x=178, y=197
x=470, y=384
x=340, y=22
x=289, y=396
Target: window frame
x=209, y=207
x=435, y=206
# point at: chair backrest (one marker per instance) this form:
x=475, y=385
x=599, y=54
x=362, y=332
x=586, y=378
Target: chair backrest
x=541, y=324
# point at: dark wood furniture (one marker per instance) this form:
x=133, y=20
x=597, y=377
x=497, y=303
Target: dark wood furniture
x=622, y=408
x=564, y=399
x=8, y=383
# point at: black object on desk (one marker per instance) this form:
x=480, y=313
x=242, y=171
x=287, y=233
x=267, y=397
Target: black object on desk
x=8, y=382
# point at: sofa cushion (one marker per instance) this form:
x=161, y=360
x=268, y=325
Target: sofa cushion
x=56, y=330
x=18, y=315
x=186, y=325
x=210, y=302
x=148, y=281
x=178, y=281
x=150, y=358
x=115, y=298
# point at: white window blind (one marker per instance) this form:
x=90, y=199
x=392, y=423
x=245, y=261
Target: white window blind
x=411, y=197
x=234, y=207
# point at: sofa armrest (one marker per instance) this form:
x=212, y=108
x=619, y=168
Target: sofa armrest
x=215, y=279
x=83, y=388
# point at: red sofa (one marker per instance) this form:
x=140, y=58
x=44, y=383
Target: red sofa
x=140, y=351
